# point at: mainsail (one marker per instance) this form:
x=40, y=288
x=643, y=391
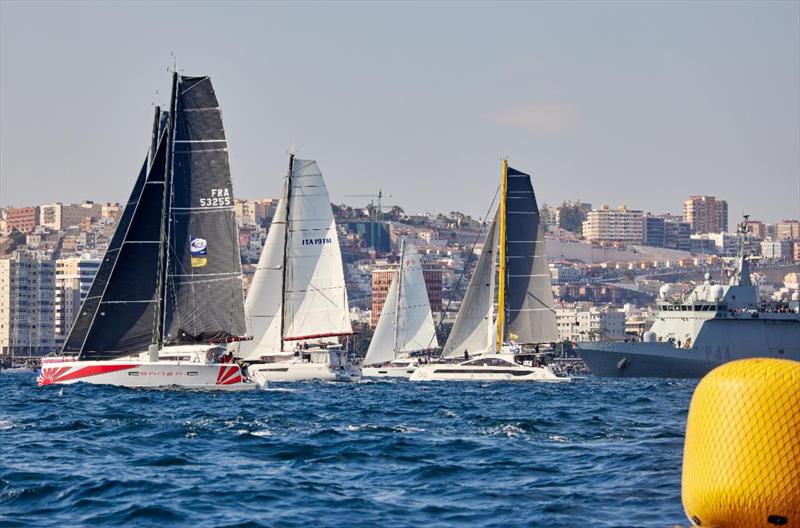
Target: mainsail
x=298, y=290
x=526, y=299
x=203, y=291
x=174, y=256
x=529, y=313
x=406, y=323
x=472, y=330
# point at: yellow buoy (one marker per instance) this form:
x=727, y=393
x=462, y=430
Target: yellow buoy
x=741, y=460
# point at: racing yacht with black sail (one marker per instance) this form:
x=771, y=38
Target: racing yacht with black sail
x=504, y=348
x=168, y=294
x=297, y=305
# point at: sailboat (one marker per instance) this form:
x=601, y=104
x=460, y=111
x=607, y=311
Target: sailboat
x=168, y=295
x=405, y=324
x=515, y=257
x=297, y=305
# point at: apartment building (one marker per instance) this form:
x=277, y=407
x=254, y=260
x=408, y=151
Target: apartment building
x=614, y=225
x=26, y=305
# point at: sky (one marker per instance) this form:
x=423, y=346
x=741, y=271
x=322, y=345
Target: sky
x=641, y=103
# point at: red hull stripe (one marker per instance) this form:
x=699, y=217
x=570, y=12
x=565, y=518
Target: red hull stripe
x=316, y=336
x=92, y=371
x=235, y=379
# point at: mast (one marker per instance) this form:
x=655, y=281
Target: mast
x=154, y=136
x=158, y=334
x=399, y=287
x=501, y=286
x=286, y=248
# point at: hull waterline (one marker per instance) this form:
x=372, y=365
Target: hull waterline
x=137, y=373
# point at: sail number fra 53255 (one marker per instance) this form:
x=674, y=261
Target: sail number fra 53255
x=218, y=198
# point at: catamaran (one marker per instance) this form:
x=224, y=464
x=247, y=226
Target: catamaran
x=297, y=305
x=168, y=294
x=406, y=323
x=500, y=349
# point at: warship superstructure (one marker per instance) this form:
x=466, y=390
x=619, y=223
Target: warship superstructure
x=714, y=324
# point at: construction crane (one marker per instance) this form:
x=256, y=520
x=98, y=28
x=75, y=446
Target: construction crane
x=374, y=211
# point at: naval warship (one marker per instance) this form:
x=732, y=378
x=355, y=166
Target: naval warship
x=714, y=324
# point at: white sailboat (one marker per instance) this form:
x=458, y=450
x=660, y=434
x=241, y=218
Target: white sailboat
x=168, y=294
x=514, y=256
x=406, y=323
x=297, y=305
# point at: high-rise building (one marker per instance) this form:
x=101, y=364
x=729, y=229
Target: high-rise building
x=706, y=214
x=73, y=278
x=788, y=229
x=614, y=225
x=23, y=219
x=26, y=305
x=382, y=278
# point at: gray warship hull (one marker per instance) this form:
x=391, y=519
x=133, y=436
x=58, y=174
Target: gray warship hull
x=643, y=360
x=718, y=341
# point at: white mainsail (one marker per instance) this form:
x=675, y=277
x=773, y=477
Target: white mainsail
x=406, y=323
x=298, y=290
x=473, y=329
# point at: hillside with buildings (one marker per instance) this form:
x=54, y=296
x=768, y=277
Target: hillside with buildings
x=606, y=263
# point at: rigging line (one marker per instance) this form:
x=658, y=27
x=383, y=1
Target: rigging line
x=464, y=271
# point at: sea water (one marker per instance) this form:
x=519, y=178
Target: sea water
x=599, y=452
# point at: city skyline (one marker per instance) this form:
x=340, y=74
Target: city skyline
x=613, y=103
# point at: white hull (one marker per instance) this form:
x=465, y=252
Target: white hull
x=262, y=373
x=138, y=373
x=389, y=371
x=498, y=367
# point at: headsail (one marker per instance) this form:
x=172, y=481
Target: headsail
x=116, y=318
x=264, y=298
x=382, y=345
x=203, y=293
x=529, y=311
x=406, y=323
x=473, y=329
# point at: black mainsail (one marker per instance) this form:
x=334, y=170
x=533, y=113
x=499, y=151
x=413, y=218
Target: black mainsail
x=529, y=313
x=171, y=273
x=204, y=300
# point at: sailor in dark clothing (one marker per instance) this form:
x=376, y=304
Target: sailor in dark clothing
x=466, y=355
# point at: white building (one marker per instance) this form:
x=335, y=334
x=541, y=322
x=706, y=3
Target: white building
x=563, y=273
x=73, y=278
x=614, y=225
x=26, y=305
x=777, y=249
x=592, y=323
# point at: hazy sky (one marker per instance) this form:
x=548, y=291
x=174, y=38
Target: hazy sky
x=642, y=103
